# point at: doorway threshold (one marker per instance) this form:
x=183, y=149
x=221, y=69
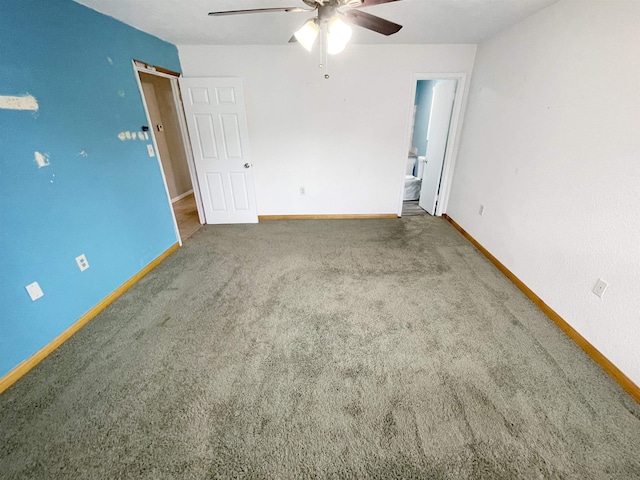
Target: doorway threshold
x=411, y=208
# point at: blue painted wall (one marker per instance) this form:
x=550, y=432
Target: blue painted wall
x=424, y=95
x=99, y=195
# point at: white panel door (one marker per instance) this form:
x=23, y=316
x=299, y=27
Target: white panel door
x=439, y=122
x=217, y=125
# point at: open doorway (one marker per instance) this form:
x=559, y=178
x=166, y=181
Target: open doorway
x=435, y=112
x=167, y=126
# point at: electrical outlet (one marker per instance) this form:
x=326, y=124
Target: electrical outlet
x=600, y=288
x=302, y=191
x=81, y=260
x=481, y=211
x=34, y=291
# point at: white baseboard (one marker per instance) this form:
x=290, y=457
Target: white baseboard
x=180, y=197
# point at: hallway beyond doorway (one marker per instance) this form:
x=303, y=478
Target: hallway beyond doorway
x=187, y=216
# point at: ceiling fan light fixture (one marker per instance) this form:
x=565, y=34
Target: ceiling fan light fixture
x=338, y=35
x=307, y=35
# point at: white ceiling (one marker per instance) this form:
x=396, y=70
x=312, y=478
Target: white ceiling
x=185, y=22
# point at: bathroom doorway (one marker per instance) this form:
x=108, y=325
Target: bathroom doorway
x=435, y=113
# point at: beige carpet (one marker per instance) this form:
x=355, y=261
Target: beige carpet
x=320, y=349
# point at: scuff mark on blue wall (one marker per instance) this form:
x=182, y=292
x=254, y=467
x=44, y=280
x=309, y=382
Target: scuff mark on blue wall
x=19, y=102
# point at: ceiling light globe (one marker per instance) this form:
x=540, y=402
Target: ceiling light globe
x=307, y=35
x=338, y=35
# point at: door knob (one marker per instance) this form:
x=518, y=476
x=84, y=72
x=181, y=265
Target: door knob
x=247, y=165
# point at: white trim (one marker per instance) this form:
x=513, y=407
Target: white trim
x=180, y=197
x=137, y=69
x=191, y=163
x=452, y=142
x=143, y=67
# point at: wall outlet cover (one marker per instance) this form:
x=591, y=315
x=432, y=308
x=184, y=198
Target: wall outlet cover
x=600, y=288
x=82, y=262
x=34, y=291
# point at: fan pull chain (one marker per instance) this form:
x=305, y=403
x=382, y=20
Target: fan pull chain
x=324, y=61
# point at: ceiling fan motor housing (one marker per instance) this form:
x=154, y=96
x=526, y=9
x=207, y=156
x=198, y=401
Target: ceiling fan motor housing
x=326, y=12
x=334, y=3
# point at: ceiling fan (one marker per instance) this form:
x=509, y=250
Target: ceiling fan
x=331, y=21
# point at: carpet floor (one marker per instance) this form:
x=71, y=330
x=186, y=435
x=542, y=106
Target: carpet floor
x=320, y=349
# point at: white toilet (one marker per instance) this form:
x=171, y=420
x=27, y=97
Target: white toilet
x=413, y=183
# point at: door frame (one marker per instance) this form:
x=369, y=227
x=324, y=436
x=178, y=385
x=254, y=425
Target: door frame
x=139, y=66
x=455, y=127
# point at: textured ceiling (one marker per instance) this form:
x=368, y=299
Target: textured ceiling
x=425, y=21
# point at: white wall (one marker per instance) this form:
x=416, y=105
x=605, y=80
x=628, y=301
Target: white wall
x=551, y=148
x=344, y=139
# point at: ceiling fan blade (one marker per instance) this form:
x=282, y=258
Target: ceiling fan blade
x=371, y=22
x=370, y=3
x=260, y=10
